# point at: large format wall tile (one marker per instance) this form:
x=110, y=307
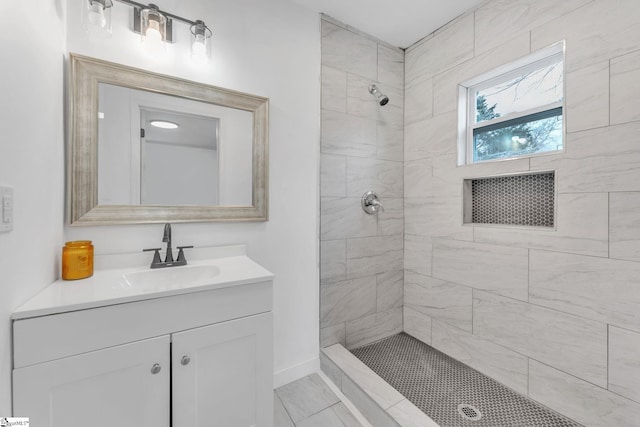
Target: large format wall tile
x=390, y=142
x=417, y=254
x=391, y=218
x=373, y=255
x=580, y=400
x=418, y=177
x=582, y=228
x=344, y=218
x=431, y=137
x=382, y=176
x=417, y=324
x=344, y=50
x=348, y=135
x=445, y=301
x=368, y=329
x=597, y=160
x=625, y=91
x=616, y=33
x=418, y=102
x=333, y=89
x=348, y=300
x=391, y=66
x=360, y=102
x=575, y=345
x=587, y=92
x=500, y=20
x=333, y=334
x=447, y=47
x=624, y=364
x=601, y=289
x=500, y=363
x=333, y=175
x=494, y=268
x=390, y=288
x=435, y=217
x=624, y=226
x=333, y=260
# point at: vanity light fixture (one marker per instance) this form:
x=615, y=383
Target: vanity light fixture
x=155, y=26
x=163, y=124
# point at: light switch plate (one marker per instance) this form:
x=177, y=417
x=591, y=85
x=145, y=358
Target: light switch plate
x=6, y=209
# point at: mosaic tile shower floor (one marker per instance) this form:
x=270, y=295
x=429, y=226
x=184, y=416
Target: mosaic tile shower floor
x=450, y=392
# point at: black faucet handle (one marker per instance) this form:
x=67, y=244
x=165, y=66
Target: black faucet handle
x=156, y=255
x=181, y=256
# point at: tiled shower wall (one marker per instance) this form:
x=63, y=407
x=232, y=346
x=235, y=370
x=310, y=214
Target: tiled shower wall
x=552, y=314
x=361, y=268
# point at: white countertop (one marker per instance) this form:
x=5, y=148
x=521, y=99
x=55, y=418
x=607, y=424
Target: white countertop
x=109, y=286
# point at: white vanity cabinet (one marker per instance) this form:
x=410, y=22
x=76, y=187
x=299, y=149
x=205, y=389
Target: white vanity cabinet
x=198, y=358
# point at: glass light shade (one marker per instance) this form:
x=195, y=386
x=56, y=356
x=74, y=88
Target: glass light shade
x=153, y=30
x=200, y=42
x=96, y=17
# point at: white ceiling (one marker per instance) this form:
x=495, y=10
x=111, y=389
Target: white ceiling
x=399, y=22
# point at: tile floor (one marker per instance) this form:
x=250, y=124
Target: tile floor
x=309, y=402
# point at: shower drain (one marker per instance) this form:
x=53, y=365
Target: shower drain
x=469, y=412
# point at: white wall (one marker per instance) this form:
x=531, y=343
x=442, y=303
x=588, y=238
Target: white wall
x=31, y=158
x=270, y=49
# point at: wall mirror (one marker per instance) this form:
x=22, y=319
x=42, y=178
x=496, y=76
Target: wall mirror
x=145, y=148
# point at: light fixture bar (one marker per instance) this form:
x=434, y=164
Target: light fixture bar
x=137, y=5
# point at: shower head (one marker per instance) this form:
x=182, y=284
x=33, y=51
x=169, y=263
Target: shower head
x=381, y=97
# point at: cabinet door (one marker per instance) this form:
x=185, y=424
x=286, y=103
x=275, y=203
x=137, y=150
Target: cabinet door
x=223, y=374
x=114, y=386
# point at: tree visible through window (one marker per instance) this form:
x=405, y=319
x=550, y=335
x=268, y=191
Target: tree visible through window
x=516, y=113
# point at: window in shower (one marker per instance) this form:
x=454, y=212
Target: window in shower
x=514, y=111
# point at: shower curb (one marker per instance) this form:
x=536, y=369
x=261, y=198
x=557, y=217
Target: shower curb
x=378, y=401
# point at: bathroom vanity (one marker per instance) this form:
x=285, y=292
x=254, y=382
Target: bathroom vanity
x=183, y=346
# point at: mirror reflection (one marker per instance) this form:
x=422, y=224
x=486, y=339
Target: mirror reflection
x=158, y=149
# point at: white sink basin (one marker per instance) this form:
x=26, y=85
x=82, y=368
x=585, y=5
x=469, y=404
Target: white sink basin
x=172, y=277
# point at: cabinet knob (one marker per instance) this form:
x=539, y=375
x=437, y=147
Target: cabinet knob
x=185, y=360
x=155, y=368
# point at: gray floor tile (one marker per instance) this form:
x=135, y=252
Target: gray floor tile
x=306, y=397
x=335, y=416
x=280, y=416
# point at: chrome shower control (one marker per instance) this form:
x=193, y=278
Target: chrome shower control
x=370, y=203
x=156, y=368
x=185, y=360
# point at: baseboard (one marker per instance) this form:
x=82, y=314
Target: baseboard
x=295, y=372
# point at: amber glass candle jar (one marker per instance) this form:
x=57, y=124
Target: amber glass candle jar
x=77, y=260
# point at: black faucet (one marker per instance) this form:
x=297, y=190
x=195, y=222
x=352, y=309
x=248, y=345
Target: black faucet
x=168, y=259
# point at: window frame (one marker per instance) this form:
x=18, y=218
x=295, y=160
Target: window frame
x=467, y=103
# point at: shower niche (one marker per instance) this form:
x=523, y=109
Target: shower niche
x=525, y=200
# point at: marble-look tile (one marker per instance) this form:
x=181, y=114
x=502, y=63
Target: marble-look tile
x=280, y=416
x=333, y=89
x=382, y=176
x=417, y=254
x=500, y=20
x=362, y=377
x=418, y=176
x=418, y=102
x=390, y=142
x=333, y=175
x=372, y=255
x=625, y=93
x=391, y=66
x=348, y=135
x=582, y=228
x=374, y=327
x=331, y=370
x=499, y=269
x=597, y=160
x=333, y=334
x=390, y=288
x=408, y=415
x=348, y=300
x=445, y=85
x=580, y=400
x=333, y=260
x=366, y=405
x=587, y=93
x=360, y=102
x=344, y=218
x=445, y=301
x=448, y=47
x=624, y=226
x=334, y=416
x=444, y=168
x=347, y=51
x=436, y=217
x=391, y=219
x=616, y=33
x=601, y=289
x=431, y=137
x=417, y=324
x=575, y=345
x=306, y=397
x=624, y=365
x=500, y=363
